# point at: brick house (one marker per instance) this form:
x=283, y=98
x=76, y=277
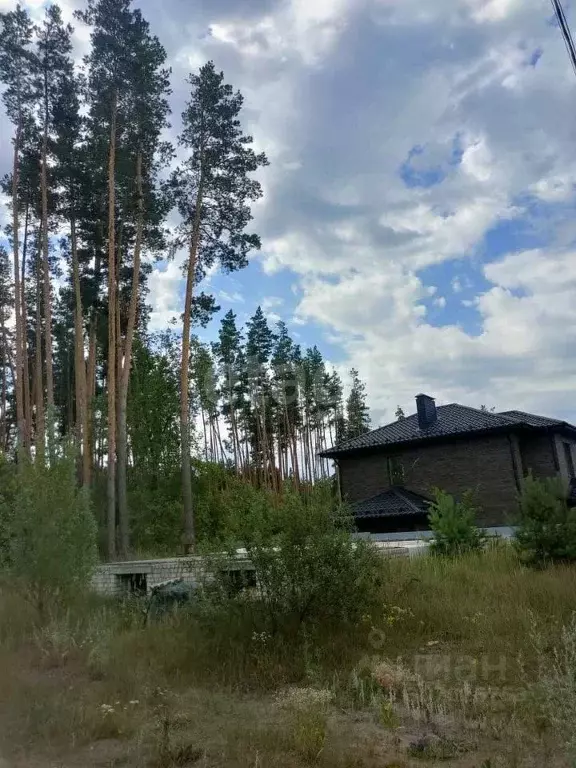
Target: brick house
x=387, y=475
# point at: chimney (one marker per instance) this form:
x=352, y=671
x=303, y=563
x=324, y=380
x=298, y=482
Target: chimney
x=426, y=408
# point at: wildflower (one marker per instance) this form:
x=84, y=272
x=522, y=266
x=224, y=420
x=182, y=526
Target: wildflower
x=261, y=637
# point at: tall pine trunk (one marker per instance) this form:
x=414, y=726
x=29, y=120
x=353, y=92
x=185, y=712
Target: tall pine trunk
x=38, y=378
x=91, y=364
x=4, y=398
x=112, y=298
x=234, y=434
x=204, y=432
x=124, y=521
x=45, y=254
x=189, y=526
x=19, y=362
x=91, y=391
x=82, y=434
x=25, y=360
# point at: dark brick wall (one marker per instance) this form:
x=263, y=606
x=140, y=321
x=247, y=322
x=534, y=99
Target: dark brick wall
x=482, y=464
x=537, y=455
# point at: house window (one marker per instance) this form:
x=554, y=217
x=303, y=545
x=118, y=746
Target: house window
x=395, y=471
x=569, y=459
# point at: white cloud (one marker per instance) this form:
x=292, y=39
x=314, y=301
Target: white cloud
x=269, y=305
x=165, y=291
x=301, y=28
x=233, y=298
x=493, y=10
x=477, y=161
x=556, y=189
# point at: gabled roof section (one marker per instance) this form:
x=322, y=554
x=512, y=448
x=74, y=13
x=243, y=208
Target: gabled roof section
x=394, y=501
x=452, y=420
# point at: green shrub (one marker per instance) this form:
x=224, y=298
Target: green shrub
x=52, y=542
x=453, y=525
x=547, y=525
x=310, y=571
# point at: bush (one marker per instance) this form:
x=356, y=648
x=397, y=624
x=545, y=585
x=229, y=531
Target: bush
x=547, y=525
x=52, y=538
x=311, y=574
x=453, y=525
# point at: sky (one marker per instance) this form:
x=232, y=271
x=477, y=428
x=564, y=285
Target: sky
x=418, y=213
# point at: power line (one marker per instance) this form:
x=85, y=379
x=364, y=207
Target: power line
x=565, y=29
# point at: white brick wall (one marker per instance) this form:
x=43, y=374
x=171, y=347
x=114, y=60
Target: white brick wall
x=121, y=578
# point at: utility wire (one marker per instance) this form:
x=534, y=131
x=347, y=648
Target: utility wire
x=566, y=34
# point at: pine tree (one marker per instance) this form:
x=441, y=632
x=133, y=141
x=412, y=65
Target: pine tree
x=16, y=75
x=149, y=87
x=213, y=191
x=127, y=90
x=108, y=72
x=53, y=63
x=228, y=353
x=29, y=213
x=399, y=414
x=337, y=419
x=71, y=174
x=357, y=413
x=6, y=363
x=286, y=395
x=259, y=346
x=314, y=388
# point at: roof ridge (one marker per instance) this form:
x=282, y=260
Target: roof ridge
x=537, y=415
x=376, y=429
x=405, y=498
x=491, y=414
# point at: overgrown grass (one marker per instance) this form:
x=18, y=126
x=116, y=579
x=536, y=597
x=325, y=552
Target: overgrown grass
x=485, y=603
x=209, y=686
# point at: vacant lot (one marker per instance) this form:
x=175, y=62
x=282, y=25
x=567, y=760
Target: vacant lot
x=471, y=664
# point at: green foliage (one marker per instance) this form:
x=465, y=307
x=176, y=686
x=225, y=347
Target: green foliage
x=312, y=575
x=52, y=538
x=7, y=494
x=15, y=60
x=453, y=525
x=156, y=521
x=547, y=525
x=153, y=408
x=216, y=171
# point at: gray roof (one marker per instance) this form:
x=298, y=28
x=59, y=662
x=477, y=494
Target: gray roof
x=532, y=419
x=452, y=420
x=394, y=501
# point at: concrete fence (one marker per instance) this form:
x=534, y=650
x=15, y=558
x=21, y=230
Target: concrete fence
x=137, y=577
